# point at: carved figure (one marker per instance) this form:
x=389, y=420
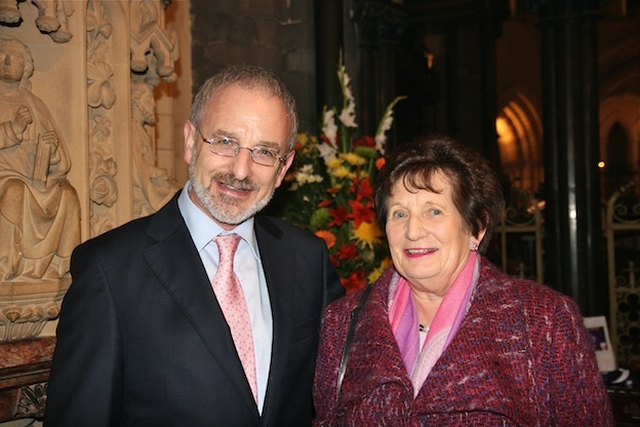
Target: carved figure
x=52, y=17
x=152, y=185
x=39, y=209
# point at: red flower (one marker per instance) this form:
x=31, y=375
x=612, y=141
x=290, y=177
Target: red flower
x=361, y=212
x=339, y=216
x=346, y=252
x=324, y=203
x=354, y=282
x=365, y=141
x=365, y=189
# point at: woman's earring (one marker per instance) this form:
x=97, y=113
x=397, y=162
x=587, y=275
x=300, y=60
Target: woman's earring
x=473, y=246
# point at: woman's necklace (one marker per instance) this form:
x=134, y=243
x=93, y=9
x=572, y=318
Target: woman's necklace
x=422, y=328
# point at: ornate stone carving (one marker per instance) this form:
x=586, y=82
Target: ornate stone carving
x=39, y=209
x=103, y=190
x=153, y=47
x=152, y=185
x=33, y=399
x=52, y=16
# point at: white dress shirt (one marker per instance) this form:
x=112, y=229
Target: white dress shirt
x=248, y=267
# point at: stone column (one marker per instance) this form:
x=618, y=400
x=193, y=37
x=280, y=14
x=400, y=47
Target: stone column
x=574, y=259
x=329, y=42
x=379, y=24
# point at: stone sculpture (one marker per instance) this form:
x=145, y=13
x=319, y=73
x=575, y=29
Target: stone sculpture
x=39, y=208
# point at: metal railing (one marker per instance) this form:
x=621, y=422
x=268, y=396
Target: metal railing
x=517, y=247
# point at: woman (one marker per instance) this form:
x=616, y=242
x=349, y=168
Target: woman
x=445, y=338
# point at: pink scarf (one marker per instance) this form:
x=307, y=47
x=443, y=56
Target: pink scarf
x=403, y=317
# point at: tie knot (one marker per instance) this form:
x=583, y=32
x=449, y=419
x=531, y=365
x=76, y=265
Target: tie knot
x=227, y=245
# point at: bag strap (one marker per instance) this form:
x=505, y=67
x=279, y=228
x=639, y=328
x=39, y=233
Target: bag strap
x=347, y=345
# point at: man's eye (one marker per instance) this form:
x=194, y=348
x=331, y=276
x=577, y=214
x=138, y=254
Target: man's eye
x=265, y=152
x=226, y=141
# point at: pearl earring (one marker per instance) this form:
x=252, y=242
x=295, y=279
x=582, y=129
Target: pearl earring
x=473, y=246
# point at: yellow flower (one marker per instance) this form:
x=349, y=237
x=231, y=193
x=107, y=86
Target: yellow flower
x=334, y=163
x=368, y=234
x=374, y=275
x=342, y=172
x=377, y=272
x=353, y=159
x=303, y=138
x=363, y=174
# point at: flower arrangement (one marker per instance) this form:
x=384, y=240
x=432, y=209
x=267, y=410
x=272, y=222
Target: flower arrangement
x=331, y=190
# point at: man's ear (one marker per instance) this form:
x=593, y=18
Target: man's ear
x=189, y=134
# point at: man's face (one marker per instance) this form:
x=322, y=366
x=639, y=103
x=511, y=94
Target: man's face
x=11, y=61
x=232, y=189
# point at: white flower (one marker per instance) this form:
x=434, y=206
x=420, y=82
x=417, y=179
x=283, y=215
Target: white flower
x=326, y=151
x=329, y=127
x=385, y=125
x=306, y=176
x=308, y=169
x=348, y=115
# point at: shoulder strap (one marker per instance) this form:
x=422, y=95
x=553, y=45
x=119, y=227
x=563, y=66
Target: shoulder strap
x=347, y=345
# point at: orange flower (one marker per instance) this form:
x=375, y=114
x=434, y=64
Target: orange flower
x=380, y=162
x=328, y=237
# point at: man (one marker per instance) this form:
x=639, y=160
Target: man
x=142, y=338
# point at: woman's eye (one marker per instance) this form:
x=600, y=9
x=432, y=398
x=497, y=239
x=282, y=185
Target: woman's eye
x=398, y=215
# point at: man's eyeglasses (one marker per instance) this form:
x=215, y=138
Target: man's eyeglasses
x=227, y=147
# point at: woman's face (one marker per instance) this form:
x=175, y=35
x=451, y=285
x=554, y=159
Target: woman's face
x=427, y=236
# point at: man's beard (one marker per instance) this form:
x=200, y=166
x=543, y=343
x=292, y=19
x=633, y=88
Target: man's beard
x=224, y=208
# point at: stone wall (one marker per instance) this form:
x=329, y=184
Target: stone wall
x=277, y=34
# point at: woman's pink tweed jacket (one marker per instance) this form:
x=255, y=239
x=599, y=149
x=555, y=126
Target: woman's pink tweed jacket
x=522, y=357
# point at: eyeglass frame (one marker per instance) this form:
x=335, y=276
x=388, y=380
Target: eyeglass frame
x=238, y=147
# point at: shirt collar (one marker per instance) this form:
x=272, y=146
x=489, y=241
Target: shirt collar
x=202, y=228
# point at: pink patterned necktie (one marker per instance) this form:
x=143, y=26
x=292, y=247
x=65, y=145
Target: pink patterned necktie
x=231, y=298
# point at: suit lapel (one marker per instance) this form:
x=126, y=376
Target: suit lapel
x=177, y=265
x=278, y=262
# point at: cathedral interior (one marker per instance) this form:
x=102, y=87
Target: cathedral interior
x=548, y=90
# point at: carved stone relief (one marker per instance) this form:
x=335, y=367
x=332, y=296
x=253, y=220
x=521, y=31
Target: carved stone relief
x=46, y=206
x=39, y=208
x=52, y=16
x=101, y=98
x=152, y=185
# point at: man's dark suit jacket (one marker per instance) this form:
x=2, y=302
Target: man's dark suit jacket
x=142, y=340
